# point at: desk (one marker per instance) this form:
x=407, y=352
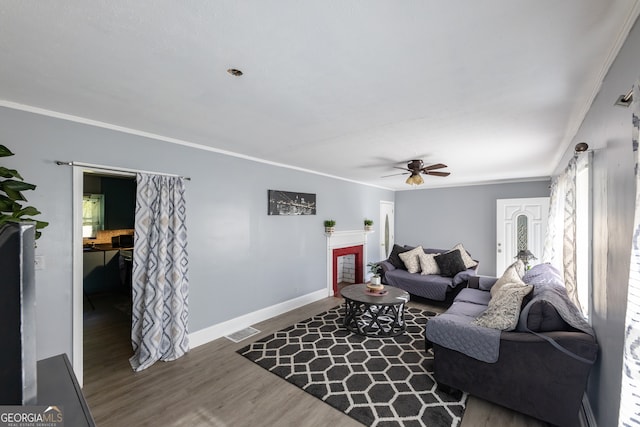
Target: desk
x=57, y=385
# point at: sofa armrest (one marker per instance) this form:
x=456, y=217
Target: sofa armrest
x=464, y=276
x=386, y=266
x=483, y=283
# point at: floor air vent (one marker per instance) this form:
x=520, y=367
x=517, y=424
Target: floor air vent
x=242, y=334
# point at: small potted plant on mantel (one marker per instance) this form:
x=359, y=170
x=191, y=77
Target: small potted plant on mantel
x=329, y=226
x=368, y=225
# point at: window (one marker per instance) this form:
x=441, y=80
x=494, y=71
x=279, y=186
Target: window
x=92, y=214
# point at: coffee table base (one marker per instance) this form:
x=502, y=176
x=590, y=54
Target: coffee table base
x=374, y=320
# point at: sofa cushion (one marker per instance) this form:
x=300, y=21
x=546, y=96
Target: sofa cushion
x=503, y=311
x=467, y=309
x=394, y=259
x=513, y=274
x=428, y=264
x=543, y=317
x=474, y=296
x=450, y=263
x=466, y=258
x=411, y=260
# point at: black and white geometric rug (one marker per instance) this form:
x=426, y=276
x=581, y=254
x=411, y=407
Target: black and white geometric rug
x=377, y=381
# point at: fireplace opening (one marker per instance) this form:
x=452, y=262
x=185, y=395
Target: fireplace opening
x=347, y=267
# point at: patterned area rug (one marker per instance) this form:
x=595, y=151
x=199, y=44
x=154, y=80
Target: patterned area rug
x=377, y=381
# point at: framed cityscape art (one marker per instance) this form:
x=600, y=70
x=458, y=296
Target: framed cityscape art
x=291, y=203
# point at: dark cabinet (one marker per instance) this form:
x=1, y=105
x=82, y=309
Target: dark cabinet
x=101, y=271
x=119, y=203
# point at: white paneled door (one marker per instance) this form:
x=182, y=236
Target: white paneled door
x=521, y=224
x=387, y=235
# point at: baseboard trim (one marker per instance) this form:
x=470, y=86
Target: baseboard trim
x=586, y=418
x=203, y=336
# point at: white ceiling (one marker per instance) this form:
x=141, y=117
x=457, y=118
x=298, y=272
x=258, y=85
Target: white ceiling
x=495, y=89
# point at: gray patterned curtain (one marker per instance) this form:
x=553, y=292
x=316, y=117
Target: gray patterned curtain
x=159, y=279
x=630, y=390
x=560, y=240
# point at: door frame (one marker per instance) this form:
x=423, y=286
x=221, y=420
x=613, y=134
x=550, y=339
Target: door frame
x=77, y=323
x=77, y=294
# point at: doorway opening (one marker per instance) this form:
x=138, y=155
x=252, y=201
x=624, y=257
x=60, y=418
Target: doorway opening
x=104, y=223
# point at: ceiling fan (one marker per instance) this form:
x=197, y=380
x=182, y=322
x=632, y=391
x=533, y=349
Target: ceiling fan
x=416, y=167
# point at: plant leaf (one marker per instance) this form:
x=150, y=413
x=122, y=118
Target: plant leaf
x=13, y=195
x=12, y=184
x=28, y=211
x=4, y=151
x=41, y=224
x=9, y=173
x=8, y=205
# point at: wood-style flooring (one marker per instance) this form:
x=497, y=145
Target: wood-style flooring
x=214, y=386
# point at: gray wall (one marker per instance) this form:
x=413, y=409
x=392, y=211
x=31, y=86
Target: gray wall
x=607, y=128
x=443, y=217
x=241, y=259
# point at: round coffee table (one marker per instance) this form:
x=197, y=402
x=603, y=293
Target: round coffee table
x=374, y=315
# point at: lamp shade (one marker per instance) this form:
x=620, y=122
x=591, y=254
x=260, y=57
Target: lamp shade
x=525, y=255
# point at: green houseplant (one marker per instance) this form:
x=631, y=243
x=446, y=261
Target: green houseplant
x=329, y=226
x=368, y=224
x=375, y=268
x=11, y=198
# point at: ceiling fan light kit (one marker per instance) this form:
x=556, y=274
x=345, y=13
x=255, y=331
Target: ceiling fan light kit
x=415, y=179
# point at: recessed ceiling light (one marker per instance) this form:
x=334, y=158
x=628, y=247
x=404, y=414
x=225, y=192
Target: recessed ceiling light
x=234, y=72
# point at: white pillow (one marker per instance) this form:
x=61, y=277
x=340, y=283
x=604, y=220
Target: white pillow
x=411, y=260
x=503, y=310
x=468, y=261
x=428, y=264
x=513, y=274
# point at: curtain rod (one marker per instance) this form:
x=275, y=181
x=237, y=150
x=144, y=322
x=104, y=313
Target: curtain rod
x=116, y=169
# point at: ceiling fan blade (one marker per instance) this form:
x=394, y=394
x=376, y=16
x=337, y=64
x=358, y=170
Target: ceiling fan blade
x=395, y=174
x=437, y=173
x=404, y=169
x=432, y=167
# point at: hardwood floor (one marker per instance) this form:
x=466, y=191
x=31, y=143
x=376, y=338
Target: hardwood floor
x=214, y=386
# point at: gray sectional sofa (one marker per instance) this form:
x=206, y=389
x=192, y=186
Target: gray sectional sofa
x=539, y=368
x=436, y=287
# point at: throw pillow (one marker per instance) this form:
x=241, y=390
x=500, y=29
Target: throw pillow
x=503, y=311
x=394, y=259
x=468, y=261
x=513, y=274
x=450, y=263
x=411, y=260
x=428, y=264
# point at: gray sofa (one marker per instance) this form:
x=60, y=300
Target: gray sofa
x=431, y=286
x=541, y=368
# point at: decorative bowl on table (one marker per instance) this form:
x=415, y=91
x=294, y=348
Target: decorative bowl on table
x=374, y=288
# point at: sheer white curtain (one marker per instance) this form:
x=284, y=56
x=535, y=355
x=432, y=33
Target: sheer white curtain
x=560, y=240
x=630, y=390
x=159, y=279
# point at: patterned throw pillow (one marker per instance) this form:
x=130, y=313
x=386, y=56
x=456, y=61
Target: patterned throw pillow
x=468, y=261
x=513, y=274
x=428, y=264
x=503, y=310
x=411, y=260
x=450, y=263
